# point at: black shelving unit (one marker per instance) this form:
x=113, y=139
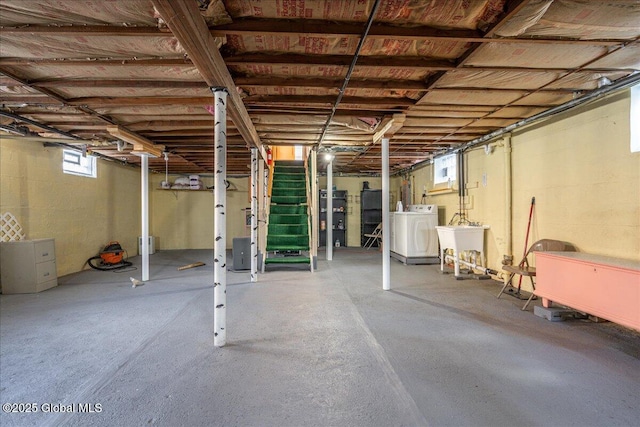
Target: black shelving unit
x=339, y=218
x=370, y=213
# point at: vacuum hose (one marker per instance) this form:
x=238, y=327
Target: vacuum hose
x=97, y=263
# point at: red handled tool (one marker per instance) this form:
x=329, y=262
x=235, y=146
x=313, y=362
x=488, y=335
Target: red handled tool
x=526, y=239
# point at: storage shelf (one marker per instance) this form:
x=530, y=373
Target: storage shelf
x=370, y=213
x=339, y=200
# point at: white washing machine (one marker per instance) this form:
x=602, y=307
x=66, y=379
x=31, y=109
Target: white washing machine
x=414, y=239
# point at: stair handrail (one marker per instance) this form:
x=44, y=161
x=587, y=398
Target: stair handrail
x=267, y=211
x=267, y=208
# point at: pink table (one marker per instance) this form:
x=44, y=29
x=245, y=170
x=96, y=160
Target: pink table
x=598, y=285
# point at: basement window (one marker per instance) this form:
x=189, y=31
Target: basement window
x=444, y=169
x=74, y=163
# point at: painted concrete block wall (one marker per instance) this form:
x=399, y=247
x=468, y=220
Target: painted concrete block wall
x=447, y=201
x=584, y=177
x=577, y=165
x=81, y=214
x=184, y=219
x=579, y=168
x=485, y=199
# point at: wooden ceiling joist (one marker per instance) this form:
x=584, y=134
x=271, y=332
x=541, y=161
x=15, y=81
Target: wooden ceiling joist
x=99, y=61
x=310, y=28
x=339, y=60
x=187, y=24
x=287, y=111
x=345, y=30
x=413, y=62
x=96, y=102
x=119, y=83
x=310, y=100
x=314, y=137
x=329, y=83
x=279, y=92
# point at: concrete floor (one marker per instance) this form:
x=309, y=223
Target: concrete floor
x=323, y=349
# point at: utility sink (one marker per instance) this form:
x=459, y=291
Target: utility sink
x=460, y=238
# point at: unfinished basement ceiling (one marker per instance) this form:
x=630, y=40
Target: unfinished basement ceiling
x=435, y=74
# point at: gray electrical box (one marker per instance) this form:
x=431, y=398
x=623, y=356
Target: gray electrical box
x=241, y=253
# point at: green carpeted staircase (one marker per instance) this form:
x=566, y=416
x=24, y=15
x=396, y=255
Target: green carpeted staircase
x=288, y=230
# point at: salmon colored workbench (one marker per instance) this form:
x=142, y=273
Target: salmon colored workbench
x=598, y=285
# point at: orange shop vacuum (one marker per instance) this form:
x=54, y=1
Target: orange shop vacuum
x=110, y=258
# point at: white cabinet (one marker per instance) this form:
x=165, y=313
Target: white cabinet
x=28, y=266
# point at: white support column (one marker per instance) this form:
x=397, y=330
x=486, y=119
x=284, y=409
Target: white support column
x=315, y=212
x=386, y=268
x=254, y=214
x=220, y=220
x=329, y=226
x=144, y=197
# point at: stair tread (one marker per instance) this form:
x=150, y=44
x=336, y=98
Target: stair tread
x=287, y=248
x=288, y=260
x=288, y=220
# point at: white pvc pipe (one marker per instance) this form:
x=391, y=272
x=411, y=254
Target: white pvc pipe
x=386, y=268
x=220, y=221
x=508, y=214
x=455, y=258
x=329, y=227
x=144, y=196
x=254, y=214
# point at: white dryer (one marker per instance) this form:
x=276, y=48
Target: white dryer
x=414, y=237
